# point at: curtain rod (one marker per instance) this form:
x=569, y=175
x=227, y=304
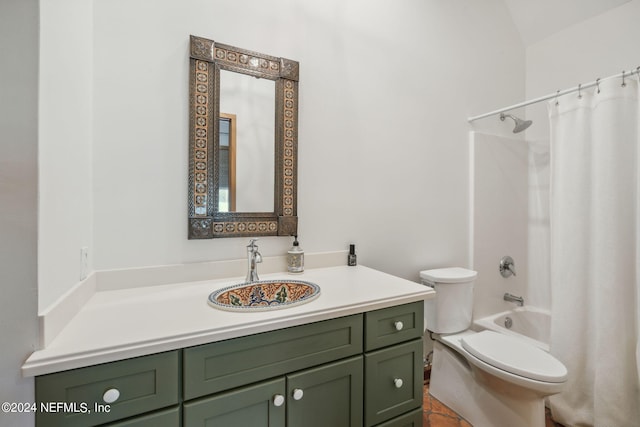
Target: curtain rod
x=623, y=74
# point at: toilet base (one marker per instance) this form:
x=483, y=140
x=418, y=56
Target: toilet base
x=482, y=399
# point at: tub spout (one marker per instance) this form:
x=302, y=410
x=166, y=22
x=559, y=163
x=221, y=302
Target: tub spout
x=512, y=298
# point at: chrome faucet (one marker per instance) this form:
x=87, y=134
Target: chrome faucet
x=253, y=258
x=513, y=298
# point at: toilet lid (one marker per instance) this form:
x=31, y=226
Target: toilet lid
x=448, y=275
x=515, y=356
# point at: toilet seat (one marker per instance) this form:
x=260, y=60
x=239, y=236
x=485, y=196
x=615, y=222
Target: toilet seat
x=514, y=356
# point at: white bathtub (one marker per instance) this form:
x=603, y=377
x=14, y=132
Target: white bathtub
x=532, y=324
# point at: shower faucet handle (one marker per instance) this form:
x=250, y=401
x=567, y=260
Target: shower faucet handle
x=507, y=266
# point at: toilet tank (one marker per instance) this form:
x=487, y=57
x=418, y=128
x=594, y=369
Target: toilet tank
x=452, y=308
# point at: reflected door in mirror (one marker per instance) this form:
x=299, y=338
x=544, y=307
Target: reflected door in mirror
x=251, y=103
x=227, y=165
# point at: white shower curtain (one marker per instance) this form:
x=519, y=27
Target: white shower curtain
x=595, y=255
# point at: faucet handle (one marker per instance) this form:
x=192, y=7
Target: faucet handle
x=507, y=266
x=511, y=268
x=252, y=243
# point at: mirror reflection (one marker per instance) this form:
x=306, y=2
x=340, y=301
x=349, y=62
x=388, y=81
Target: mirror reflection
x=247, y=143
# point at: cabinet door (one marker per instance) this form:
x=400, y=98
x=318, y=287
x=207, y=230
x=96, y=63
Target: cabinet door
x=259, y=405
x=329, y=395
x=394, y=381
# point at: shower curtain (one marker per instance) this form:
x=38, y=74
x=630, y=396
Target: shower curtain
x=595, y=254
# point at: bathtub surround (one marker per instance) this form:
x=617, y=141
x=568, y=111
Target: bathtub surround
x=500, y=216
x=595, y=236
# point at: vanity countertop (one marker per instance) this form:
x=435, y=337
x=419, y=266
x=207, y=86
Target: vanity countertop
x=120, y=324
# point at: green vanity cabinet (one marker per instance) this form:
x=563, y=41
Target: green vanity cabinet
x=257, y=405
x=131, y=387
x=328, y=395
x=353, y=371
x=393, y=325
x=219, y=366
x=393, y=365
x=320, y=382
x=331, y=395
x=393, y=378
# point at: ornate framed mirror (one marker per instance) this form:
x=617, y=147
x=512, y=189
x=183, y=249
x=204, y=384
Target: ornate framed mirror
x=249, y=101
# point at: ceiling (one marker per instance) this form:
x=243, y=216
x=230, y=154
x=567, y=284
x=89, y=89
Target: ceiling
x=538, y=19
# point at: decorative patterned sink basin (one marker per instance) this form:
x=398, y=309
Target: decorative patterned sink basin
x=264, y=295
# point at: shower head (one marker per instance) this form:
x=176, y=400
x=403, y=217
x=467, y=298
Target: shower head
x=520, y=124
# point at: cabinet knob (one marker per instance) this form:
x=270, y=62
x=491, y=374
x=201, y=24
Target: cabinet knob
x=111, y=395
x=398, y=382
x=297, y=394
x=278, y=400
x=399, y=325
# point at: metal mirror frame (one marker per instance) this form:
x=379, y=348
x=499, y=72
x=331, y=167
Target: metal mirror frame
x=207, y=58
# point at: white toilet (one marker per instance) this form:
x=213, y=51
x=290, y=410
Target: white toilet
x=490, y=379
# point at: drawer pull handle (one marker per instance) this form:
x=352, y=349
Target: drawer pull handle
x=297, y=394
x=278, y=400
x=398, y=382
x=111, y=395
x=399, y=325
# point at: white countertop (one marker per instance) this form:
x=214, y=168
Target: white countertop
x=120, y=324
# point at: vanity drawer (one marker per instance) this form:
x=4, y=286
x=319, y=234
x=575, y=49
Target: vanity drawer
x=164, y=418
x=393, y=378
x=223, y=365
x=410, y=419
x=143, y=384
x=393, y=325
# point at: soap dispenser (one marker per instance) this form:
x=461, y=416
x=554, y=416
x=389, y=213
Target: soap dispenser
x=295, y=258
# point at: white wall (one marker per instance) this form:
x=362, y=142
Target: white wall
x=18, y=199
x=385, y=91
x=65, y=145
x=598, y=47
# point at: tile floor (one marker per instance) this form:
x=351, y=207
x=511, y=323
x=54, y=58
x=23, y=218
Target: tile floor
x=438, y=415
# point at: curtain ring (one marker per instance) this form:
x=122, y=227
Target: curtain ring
x=623, y=82
x=598, y=84
x=580, y=91
x=557, y=93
